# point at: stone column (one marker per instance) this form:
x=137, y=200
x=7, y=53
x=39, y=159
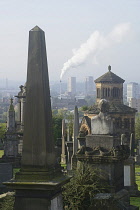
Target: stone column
x=11, y=118
x=38, y=184
x=63, y=155
x=19, y=110
x=75, y=135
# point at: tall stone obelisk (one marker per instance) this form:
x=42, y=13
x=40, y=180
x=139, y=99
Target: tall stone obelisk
x=38, y=184
x=38, y=147
x=75, y=135
x=63, y=155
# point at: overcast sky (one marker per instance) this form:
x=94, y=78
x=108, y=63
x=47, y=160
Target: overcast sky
x=68, y=24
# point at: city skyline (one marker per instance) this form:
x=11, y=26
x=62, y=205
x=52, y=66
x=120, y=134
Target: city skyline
x=68, y=26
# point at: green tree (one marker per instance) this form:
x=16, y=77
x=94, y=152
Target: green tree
x=79, y=193
x=84, y=108
x=2, y=130
x=57, y=116
x=137, y=127
x=57, y=127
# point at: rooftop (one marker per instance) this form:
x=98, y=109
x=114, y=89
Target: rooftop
x=109, y=77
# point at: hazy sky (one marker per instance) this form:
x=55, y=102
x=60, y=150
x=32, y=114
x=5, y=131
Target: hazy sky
x=68, y=24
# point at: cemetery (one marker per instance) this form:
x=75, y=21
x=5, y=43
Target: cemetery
x=97, y=169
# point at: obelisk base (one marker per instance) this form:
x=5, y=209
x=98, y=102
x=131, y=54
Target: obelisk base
x=36, y=195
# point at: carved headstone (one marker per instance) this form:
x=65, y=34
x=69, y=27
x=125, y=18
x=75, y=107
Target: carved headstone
x=102, y=123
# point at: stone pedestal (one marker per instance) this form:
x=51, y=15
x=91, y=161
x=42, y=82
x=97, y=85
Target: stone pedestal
x=110, y=168
x=6, y=173
x=105, y=141
x=129, y=176
x=69, y=145
x=35, y=195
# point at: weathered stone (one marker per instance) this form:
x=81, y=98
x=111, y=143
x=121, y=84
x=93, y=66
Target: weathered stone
x=38, y=184
x=6, y=173
x=63, y=155
x=38, y=147
x=102, y=123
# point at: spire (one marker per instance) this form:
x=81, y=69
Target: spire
x=11, y=108
x=36, y=28
x=109, y=68
x=11, y=117
x=75, y=130
x=38, y=144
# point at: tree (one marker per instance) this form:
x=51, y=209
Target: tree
x=57, y=116
x=137, y=127
x=79, y=193
x=57, y=127
x=2, y=130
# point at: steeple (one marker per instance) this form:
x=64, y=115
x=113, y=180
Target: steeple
x=11, y=117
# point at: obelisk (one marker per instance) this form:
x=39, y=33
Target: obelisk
x=38, y=147
x=75, y=130
x=75, y=135
x=63, y=155
x=38, y=184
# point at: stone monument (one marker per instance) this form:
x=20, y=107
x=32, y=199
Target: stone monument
x=104, y=151
x=103, y=122
x=75, y=135
x=11, y=139
x=63, y=154
x=38, y=184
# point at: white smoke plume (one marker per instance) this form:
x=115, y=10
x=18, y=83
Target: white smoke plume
x=96, y=43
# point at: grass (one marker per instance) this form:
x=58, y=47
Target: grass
x=1, y=153
x=136, y=200
x=137, y=170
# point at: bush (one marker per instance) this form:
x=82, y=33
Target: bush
x=79, y=193
x=7, y=203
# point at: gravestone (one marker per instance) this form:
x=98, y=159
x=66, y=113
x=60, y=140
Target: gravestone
x=6, y=173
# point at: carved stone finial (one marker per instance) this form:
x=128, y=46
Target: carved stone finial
x=103, y=105
x=21, y=87
x=109, y=68
x=11, y=101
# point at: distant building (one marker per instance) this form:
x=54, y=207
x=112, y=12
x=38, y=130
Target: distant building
x=132, y=91
x=135, y=103
x=109, y=86
x=71, y=88
x=89, y=85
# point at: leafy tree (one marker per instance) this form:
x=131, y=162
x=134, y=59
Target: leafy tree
x=137, y=127
x=57, y=127
x=2, y=132
x=84, y=108
x=79, y=193
x=57, y=116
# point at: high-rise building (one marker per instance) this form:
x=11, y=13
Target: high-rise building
x=132, y=91
x=71, y=89
x=89, y=85
x=135, y=103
